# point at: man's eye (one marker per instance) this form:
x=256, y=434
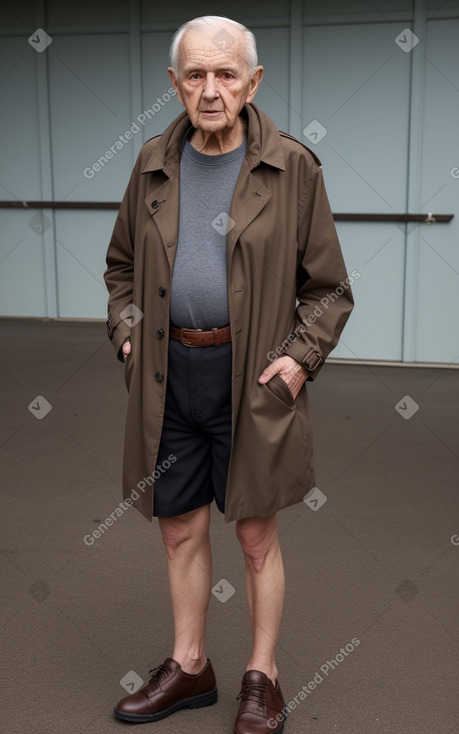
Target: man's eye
x=194, y=76
x=227, y=75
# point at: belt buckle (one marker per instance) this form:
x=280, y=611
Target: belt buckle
x=186, y=342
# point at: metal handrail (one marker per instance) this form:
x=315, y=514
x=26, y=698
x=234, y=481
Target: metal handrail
x=114, y=205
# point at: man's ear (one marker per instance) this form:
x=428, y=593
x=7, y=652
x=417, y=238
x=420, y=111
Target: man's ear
x=255, y=81
x=173, y=78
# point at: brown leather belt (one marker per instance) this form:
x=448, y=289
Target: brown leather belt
x=199, y=338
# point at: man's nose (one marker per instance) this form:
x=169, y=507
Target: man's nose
x=210, y=88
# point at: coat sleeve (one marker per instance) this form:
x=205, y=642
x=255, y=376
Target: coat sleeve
x=323, y=287
x=119, y=275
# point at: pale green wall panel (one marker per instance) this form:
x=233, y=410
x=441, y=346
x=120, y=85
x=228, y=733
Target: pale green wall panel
x=87, y=12
x=356, y=114
x=442, y=6
x=19, y=139
x=156, y=84
x=272, y=96
x=19, y=14
x=355, y=85
x=437, y=330
x=355, y=7
x=90, y=110
x=377, y=252
x=22, y=271
x=81, y=245
x=22, y=264
x=180, y=11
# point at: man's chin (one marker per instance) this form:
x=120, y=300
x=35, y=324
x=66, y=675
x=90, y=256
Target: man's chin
x=214, y=125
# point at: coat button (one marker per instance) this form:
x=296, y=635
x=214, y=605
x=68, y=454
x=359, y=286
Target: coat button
x=160, y=333
x=159, y=377
x=155, y=204
x=161, y=292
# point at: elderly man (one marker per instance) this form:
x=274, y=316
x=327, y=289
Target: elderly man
x=227, y=292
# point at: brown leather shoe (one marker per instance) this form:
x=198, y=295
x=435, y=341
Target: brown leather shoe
x=262, y=704
x=169, y=690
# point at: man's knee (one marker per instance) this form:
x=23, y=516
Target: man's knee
x=174, y=533
x=257, y=537
x=181, y=528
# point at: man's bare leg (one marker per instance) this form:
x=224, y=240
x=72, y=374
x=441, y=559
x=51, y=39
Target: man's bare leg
x=265, y=585
x=189, y=565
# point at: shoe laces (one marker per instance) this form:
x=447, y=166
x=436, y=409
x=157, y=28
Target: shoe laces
x=252, y=691
x=158, y=674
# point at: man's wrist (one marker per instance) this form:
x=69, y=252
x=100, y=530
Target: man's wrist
x=307, y=357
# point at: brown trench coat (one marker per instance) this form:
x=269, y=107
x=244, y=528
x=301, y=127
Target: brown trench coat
x=283, y=247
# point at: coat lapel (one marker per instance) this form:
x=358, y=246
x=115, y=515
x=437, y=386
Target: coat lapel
x=251, y=195
x=250, y=198
x=163, y=206
x=163, y=203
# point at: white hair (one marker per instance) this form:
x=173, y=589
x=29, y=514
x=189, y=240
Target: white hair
x=208, y=23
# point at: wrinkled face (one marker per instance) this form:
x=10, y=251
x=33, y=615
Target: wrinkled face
x=214, y=81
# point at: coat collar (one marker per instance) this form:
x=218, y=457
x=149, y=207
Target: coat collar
x=263, y=142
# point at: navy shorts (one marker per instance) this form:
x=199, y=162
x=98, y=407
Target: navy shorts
x=196, y=430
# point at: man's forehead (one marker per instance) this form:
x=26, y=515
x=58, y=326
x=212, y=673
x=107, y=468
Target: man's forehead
x=214, y=47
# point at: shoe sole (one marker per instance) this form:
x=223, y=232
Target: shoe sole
x=196, y=702
x=278, y=731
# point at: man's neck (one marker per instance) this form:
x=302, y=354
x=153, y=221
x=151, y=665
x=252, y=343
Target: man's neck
x=222, y=142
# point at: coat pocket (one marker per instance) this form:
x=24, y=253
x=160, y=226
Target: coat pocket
x=281, y=390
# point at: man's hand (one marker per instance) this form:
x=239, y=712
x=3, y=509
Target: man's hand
x=126, y=349
x=293, y=374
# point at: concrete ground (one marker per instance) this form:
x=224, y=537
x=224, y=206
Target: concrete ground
x=371, y=606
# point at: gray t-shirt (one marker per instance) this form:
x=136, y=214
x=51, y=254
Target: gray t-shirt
x=199, y=297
